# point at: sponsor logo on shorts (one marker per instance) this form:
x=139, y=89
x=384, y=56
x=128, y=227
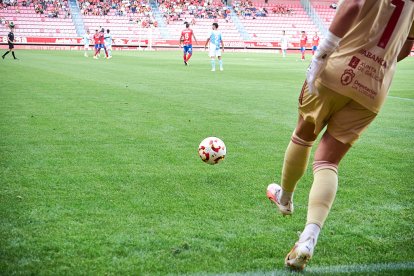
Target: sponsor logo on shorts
x=347, y=77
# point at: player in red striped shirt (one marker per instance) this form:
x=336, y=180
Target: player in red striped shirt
x=100, y=38
x=303, y=40
x=186, y=41
x=315, y=43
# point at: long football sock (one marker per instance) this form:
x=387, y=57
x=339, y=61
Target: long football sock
x=188, y=57
x=110, y=53
x=294, y=166
x=96, y=52
x=221, y=63
x=213, y=64
x=185, y=58
x=106, y=52
x=5, y=54
x=13, y=55
x=323, y=192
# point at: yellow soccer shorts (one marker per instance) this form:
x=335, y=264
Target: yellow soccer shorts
x=345, y=119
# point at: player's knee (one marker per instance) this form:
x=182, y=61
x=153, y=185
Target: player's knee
x=305, y=130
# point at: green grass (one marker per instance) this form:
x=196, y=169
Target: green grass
x=99, y=172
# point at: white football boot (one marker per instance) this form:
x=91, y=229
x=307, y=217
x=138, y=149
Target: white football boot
x=300, y=254
x=273, y=193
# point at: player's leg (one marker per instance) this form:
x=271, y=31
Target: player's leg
x=297, y=153
x=109, y=48
x=12, y=51
x=325, y=168
x=284, y=52
x=189, y=53
x=106, y=52
x=185, y=54
x=96, y=51
x=5, y=54
x=212, y=54
x=220, y=62
x=303, y=53
x=86, y=48
x=213, y=63
x=344, y=128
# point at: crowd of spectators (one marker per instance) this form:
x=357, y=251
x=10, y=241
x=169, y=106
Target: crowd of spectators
x=7, y=3
x=176, y=10
x=48, y=8
x=246, y=9
x=282, y=9
x=138, y=11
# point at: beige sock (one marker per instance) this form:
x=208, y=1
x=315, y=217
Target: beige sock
x=294, y=165
x=322, y=193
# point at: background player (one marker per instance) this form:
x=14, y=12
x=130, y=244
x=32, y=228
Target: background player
x=10, y=41
x=303, y=41
x=346, y=100
x=108, y=43
x=96, y=43
x=86, y=42
x=315, y=43
x=215, y=40
x=284, y=43
x=186, y=39
x=101, y=43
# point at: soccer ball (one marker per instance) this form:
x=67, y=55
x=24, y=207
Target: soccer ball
x=212, y=150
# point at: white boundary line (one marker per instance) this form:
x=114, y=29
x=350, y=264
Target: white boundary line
x=400, y=98
x=329, y=270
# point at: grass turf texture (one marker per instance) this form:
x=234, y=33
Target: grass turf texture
x=100, y=174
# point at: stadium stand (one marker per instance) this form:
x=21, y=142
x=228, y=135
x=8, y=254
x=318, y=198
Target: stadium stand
x=243, y=20
x=37, y=18
x=280, y=15
x=325, y=9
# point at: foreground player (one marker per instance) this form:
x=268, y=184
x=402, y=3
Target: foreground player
x=86, y=39
x=108, y=43
x=315, y=43
x=370, y=33
x=186, y=39
x=10, y=41
x=303, y=41
x=215, y=40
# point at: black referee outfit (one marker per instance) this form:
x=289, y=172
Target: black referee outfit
x=10, y=40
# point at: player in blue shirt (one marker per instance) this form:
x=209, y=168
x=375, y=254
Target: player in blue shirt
x=215, y=39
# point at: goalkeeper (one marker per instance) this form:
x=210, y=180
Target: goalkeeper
x=346, y=85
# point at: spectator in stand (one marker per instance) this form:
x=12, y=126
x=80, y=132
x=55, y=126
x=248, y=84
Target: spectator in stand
x=281, y=9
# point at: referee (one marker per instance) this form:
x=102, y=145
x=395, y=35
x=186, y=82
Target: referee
x=10, y=40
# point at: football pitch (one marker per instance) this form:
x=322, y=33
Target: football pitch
x=99, y=171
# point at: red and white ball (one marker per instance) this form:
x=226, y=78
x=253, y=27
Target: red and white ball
x=212, y=150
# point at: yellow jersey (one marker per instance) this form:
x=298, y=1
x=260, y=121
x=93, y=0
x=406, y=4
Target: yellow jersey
x=363, y=66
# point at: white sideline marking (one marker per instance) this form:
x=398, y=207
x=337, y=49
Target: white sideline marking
x=337, y=269
x=400, y=98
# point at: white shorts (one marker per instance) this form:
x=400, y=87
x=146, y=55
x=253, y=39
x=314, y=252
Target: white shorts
x=214, y=53
x=86, y=47
x=108, y=46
